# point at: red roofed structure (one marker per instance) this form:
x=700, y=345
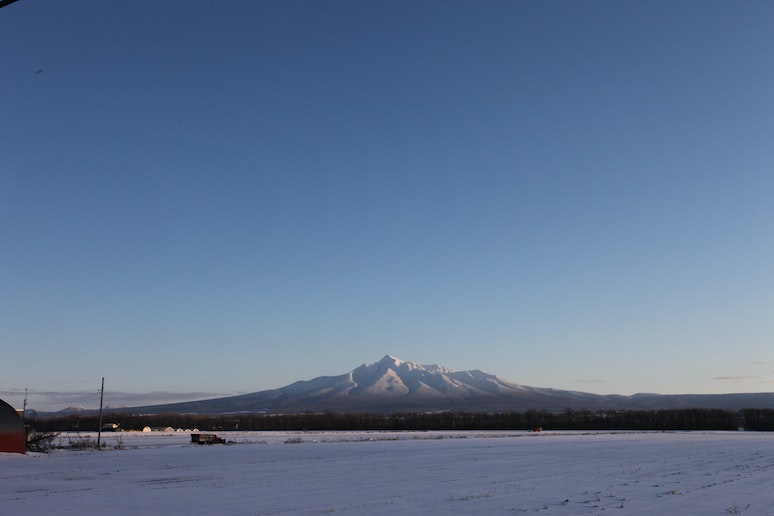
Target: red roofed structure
x=13, y=436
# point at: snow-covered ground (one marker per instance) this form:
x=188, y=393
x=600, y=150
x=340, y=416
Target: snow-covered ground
x=400, y=473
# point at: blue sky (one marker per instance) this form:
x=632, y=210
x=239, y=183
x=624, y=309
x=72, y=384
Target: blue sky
x=227, y=197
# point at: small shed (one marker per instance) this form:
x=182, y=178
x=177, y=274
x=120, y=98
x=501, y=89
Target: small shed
x=13, y=436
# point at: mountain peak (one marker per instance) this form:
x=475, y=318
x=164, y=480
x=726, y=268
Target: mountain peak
x=388, y=362
x=393, y=362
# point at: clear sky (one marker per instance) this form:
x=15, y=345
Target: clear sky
x=227, y=197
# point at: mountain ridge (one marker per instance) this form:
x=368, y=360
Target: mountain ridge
x=395, y=385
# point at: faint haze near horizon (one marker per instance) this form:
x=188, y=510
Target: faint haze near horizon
x=224, y=198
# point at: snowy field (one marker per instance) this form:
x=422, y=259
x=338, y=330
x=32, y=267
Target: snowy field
x=400, y=473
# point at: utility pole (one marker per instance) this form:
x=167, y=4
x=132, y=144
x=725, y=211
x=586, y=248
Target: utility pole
x=101, y=397
x=24, y=407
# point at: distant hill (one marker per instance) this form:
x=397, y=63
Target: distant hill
x=76, y=409
x=395, y=385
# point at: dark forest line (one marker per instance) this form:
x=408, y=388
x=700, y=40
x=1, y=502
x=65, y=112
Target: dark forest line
x=678, y=419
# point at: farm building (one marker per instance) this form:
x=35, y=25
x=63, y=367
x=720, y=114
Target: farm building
x=13, y=436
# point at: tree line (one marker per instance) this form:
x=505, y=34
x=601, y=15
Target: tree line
x=679, y=419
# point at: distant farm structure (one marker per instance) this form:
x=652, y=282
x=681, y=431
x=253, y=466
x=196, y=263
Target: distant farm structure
x=13, y=435
x=147, y=429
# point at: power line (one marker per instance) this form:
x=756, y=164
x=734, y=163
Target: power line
x=46, y=381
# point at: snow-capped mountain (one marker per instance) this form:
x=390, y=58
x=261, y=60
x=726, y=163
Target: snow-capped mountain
x=398, y=384
x=392, y=385
x=395, y=385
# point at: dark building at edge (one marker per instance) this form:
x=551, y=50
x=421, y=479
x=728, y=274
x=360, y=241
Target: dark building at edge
x=13, y=436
